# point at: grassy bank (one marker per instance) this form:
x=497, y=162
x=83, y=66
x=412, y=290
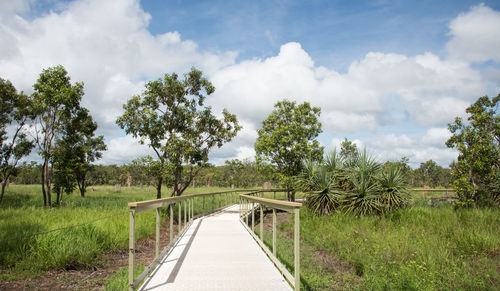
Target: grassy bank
x=78, y=243
x=417, y=248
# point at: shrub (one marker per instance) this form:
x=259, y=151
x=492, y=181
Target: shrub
x=357, y=185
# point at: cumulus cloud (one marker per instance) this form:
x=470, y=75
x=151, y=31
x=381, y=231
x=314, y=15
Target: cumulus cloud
x=431, y=90
x=107, y=45
x=124, y=149
x=419, y=148
x=475, y=35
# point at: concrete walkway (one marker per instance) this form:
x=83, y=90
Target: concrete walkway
x=216, y=253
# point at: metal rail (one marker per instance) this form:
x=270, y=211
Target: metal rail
x=208, y=204
x=249, y=205
x=188, y=202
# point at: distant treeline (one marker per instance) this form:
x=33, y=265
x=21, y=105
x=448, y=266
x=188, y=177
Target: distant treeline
x=235, y=172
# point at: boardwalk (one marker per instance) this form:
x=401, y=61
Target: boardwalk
x=216, y=253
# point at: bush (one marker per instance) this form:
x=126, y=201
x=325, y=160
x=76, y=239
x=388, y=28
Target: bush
x=357, y=185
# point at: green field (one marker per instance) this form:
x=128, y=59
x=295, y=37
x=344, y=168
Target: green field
x=22, y=215
x=415, y=248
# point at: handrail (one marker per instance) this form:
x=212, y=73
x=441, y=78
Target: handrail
x=189, y=203
x=246, y=210
x=141, y=206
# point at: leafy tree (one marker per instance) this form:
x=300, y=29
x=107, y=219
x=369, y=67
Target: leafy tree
x=15, y=110
x=169, y=116
x=477, y=140
x=429, y=173
x=76, y=148
x=287, y=137
x=348, y=150
x=54, y=96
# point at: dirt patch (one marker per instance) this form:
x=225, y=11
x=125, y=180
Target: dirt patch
x=90, y=278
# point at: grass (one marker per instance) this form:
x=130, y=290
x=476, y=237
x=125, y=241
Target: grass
x=22, y=215
x=417, y=248
x=119, y=280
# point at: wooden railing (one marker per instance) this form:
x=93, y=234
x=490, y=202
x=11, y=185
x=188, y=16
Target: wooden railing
x=249, y=204
x=186, y=201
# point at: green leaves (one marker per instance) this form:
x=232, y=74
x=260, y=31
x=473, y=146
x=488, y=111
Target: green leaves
x=477, y=141
x=170, y=117
x=288, y=136
x=16, y=109
x=357, y=185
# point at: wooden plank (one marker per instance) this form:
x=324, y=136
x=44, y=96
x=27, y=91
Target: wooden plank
x=131, y=250
x=296, y=243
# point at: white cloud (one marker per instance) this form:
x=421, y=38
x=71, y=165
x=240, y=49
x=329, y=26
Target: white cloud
x=418, y=148
x=431, y=90
x=125, y=149
x=107, y=45
x=475, y=35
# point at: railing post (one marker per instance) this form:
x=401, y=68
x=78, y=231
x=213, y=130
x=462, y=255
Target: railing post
x=157, y=244
x=274, y=232
x=246, y=212
x=179, y=223
x=131, y=252
x=261, y=223
x=296, y=242
x=171, y=223
x=192, y=208
x=185, y=212
x=253, y=218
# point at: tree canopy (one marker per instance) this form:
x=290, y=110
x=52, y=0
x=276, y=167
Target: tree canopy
x=288, y=135
x=15, y=110
x=54, y=99
x=477, y=170
x=171, y=118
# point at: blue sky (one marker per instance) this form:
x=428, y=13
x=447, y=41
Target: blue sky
x=389, y=75
x=333, y=32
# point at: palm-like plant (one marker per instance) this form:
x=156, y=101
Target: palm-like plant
x=394, y=188
x=358, y=185
x=318, y=182
x=363, y=197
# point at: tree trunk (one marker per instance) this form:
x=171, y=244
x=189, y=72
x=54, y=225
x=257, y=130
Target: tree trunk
x=4, y=184
x=58, y=196
x=43, y=184
x=81, y=187
x=158, y=188
x=49, y=188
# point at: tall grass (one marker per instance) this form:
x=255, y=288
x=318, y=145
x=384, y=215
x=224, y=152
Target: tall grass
x=415, y=248
x=78, y=243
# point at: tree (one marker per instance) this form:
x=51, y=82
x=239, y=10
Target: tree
x=476, y=172
x=170, y=117
x=287, y=137
x=53, y=97
x=428, y=173
x=348, y=150
x=16, y=111
x=76, y=147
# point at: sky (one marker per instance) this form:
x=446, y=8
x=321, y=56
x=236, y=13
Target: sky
x=388, y=75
